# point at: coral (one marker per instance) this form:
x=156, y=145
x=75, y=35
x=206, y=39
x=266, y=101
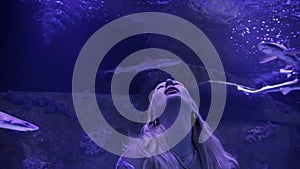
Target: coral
x=10, y=96
x=260, y=132
x=64, y=108
x=257, y=164
x=154, y=2
x=89, y=147
x=34, y=163
x=40, y=101
x=51, y=107
x=67, y=109
x=101, y=134
x=28, y=104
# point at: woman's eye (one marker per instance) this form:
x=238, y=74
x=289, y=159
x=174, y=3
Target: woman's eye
x=159, y=87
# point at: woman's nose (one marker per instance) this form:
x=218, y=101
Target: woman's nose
x=169, y=82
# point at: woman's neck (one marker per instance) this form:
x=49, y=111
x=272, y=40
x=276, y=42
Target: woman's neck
x=185, y=146
x=183, y=125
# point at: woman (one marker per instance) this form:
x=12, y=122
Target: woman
x=167, y=99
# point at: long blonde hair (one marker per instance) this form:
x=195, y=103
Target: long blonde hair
x=214, y=155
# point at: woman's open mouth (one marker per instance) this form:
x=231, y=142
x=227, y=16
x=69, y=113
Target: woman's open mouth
x=171, y=90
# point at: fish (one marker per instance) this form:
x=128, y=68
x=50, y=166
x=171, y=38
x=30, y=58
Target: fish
x=285, y=87
x=13, y=123
x=148, y=63
x=283, y=52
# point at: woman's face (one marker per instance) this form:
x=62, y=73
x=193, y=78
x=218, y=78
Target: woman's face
x=171, y=92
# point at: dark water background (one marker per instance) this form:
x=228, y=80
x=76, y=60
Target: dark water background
x=41, y=40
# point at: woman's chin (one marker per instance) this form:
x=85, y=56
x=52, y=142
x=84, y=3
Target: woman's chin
x=174, y=98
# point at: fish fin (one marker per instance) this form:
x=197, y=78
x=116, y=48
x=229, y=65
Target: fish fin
x=287, y=43
x=267, y=59
x=293, y=52
x=242, y=89
x=288, y=67
x=285, y=90
x=289, y=75
x=286, y=71
x=246, y=93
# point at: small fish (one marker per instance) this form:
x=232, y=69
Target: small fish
x=146, y=63
x=13, y=123
x=278, y=51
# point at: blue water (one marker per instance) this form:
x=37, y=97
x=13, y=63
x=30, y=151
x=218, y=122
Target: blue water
x=41, y=40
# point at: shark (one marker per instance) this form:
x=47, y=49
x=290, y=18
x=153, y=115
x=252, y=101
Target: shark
x=147, y=62
x=13, y=123
x=283, y=52
x=285, y=87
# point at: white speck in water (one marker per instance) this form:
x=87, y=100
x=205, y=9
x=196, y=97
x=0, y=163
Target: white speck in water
x=59, y=2
x=162, y=2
